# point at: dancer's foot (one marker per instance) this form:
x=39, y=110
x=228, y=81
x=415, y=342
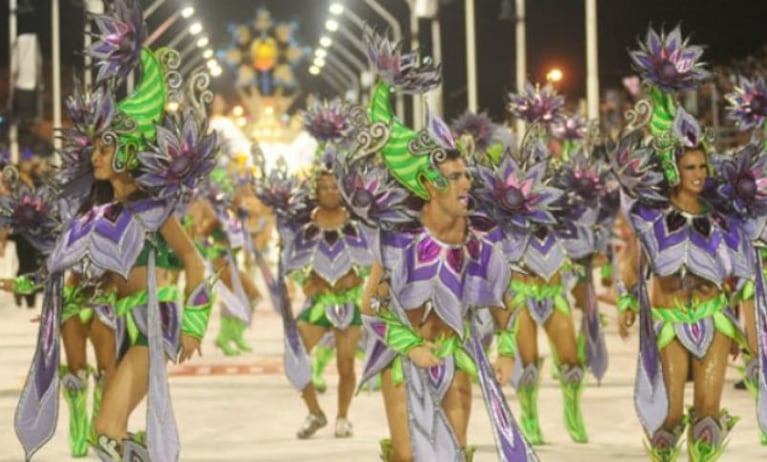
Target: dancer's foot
x=344, y=428
x=312, y=423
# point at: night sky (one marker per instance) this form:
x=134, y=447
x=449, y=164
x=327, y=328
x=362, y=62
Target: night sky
x=555, y=31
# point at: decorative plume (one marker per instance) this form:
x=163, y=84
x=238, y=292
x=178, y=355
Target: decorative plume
x=742, y=181
x=748, y=103
x=517, y=196
x=328, y=121
x=570, y=128
x=479, y=126
x=30, y=212
x=668, y=62
x=537, y=105
x=117, y=49
x=91, y=113
x=634, y=166
x=183, y=155
x=399, y=69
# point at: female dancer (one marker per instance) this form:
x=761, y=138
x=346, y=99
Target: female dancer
x=34, y=214
x=546, y=230
x=691, y=246
x=146, y=159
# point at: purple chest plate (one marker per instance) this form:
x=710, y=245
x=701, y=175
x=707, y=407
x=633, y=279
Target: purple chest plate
x=331, y=254
x=108, y=237
x=451, y=277
x=709, y=246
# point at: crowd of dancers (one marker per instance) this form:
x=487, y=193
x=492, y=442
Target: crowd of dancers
x=439, y=253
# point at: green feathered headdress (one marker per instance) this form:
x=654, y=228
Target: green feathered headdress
x=138, y=114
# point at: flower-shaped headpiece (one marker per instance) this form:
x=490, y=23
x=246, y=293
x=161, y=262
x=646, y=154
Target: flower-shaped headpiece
x=479, y=126
x=328, y=121
x=668, y=62
x=122, y=32
x=748, y=103
x=183, y=155
x=31, y=213
x=518, y=196
x=537, y=105
x=399, y=69
x=743, y=181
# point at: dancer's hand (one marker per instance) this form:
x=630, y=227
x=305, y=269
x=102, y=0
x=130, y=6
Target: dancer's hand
x=423, y=357
x=625, y=321
x=504, y=367
x=189, y=345
x=8, y=285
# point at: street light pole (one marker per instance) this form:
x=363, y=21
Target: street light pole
x=353, y=78
x=13, y=129
x=521, y=59
x=471, y=56
x=592, y=57
x=56, y=58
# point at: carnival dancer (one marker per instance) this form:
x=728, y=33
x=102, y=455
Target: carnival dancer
x=545, y=229
x=328, y=253
x=86, y=313
x=219, y=230
x=690, y=245
x=437, y=269
x=145, y=159
x=746, y=110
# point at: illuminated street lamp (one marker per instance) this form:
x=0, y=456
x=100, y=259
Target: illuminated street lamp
x=187, y=12
x=207, y=54
x=331, y=25
x=320, y=52
x=203, y=42
x=325, y=41
x=554, y=76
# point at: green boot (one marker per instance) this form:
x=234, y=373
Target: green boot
x=225, y=336
x=322, y=356
x=98, y=392
x=238, y=329
x=75, y=390
x=571, y=379
x=527, y=394
x=664, y=446
x=385, y=445
x=751, y=380
x=706, y=438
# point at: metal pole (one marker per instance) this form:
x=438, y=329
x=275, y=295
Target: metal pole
x=13, y=129
x=177, y=39
x=355, y=41
x=359, y=22
x=91, y=7
x=471, y=56
x=346, y=53
x=592, y=61
x=521, y=59
x=152, y=8
x=189, y=65
x=162, y=28
x=397, y=32
x=188, y=49
x=436, y=40
x=353, y=78
x=415, y=99
x=333, y=83
x=56, y=58
x=339, y=77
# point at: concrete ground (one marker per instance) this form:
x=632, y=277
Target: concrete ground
x=242, y=409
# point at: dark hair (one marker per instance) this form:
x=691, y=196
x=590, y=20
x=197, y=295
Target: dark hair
x=450, y=154
x=101, y=193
